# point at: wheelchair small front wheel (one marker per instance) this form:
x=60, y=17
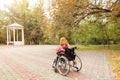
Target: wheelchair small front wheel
x=54, y=63
x=63, y=66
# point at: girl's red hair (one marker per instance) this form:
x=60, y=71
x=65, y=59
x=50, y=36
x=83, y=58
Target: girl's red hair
x=63, y=41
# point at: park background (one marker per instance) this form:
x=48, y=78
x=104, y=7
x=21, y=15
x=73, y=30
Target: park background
x=92, y=24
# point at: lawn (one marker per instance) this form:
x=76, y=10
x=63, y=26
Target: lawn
x=99, y=47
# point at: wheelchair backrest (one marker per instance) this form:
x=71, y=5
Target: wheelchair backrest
x=70, y=53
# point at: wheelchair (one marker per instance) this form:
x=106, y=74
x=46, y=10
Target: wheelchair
x=66, y=61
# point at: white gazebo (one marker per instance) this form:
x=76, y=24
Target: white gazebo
x=15, y=34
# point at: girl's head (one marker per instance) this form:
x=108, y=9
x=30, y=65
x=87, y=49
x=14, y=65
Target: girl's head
x=63, y=41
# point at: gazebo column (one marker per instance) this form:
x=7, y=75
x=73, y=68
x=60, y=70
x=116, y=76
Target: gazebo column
x=14, y=36
x=7, y=36
x=17, y=34
x=23, y=36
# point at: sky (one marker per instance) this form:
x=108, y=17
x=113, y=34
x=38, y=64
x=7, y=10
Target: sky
x=4, y=2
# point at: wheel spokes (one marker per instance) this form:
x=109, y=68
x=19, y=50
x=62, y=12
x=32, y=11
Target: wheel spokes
x=63, y=66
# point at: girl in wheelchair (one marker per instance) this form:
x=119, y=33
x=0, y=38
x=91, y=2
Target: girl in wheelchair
x=64, y=49
x=64, y=56
x=63, y=44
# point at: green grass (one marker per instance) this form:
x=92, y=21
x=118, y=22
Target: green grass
x=99, y=47
x=2, y=44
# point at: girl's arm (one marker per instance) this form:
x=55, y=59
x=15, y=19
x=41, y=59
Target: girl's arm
x=60, y=48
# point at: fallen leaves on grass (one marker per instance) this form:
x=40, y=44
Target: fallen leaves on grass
x=114, y=57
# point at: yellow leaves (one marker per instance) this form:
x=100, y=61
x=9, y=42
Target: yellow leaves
x=97, y=76
x=115, y=62
x=76, y=79
x=117, y=77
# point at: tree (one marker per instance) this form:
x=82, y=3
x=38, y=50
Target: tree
x=61, y=19
x=29, y=18
x=86, y=8
x=3, y=22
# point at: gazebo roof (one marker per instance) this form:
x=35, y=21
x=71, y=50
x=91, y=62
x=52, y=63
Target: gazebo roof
x=15, y=25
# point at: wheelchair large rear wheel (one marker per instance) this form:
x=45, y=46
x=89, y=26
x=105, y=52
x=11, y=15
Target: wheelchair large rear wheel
x=76, y=64
x=63, y=66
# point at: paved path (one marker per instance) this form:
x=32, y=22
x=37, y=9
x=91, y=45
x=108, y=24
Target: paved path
x=34, y=63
